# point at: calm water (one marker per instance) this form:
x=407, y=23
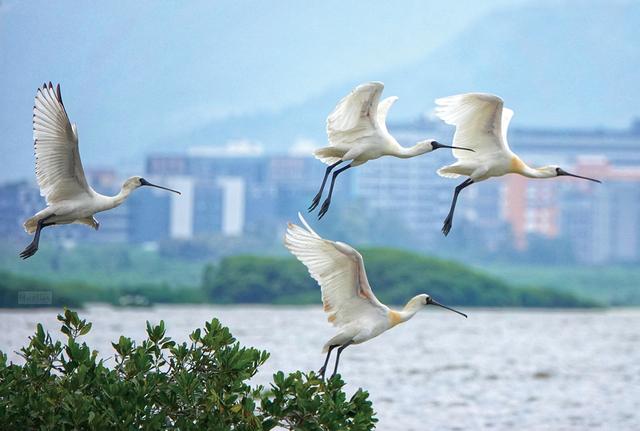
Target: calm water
x=497, y=370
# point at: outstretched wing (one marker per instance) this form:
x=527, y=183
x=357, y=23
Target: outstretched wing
x=480, y=123
x=383, y=110
x=58, y=166
x=507, y=115
x=339, y=270
x=356, y=116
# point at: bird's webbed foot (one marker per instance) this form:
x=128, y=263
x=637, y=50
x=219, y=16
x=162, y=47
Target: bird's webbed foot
x=446, y=227
x=315, y=202
x=324, y=208
x=29, y=251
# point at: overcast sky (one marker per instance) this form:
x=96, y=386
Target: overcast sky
x=146, y=70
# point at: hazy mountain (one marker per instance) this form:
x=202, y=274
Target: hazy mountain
x=146, y=76
x=135, y=74
x=569, y=64
x=572, y=64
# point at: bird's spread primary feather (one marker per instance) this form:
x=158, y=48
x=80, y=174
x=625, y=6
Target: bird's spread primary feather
x=339, y=270
x=58, y=166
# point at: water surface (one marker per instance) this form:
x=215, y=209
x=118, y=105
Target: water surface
x=497, y=370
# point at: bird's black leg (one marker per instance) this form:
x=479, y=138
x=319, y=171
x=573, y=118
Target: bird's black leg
x=327, y=201
x=316, y=199
x=344, y=346
x=32, y=248
x=448, y=222
x=326, y=361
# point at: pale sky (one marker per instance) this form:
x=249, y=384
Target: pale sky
x=141, y=71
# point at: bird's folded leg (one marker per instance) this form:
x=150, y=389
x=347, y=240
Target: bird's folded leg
x=344, y=346
x=327, y=201
x=318, y=196
x=448, y=221
x=322, y=370
x=32, y=248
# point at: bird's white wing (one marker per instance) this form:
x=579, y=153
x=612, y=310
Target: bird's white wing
x=58, y=166
x=356, y=116
x=339, y=270
x=383, y=110
x=480, y=123
x=507, y=115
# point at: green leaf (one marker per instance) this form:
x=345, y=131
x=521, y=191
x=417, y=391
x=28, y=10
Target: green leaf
x=159, y=384
x=85, y=329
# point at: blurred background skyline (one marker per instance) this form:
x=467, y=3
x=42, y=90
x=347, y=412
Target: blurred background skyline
x=226, y=100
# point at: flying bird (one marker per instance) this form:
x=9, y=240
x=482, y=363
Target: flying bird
x=357, y=133
x=346, y=294
x=60, y=174
x=481, y=122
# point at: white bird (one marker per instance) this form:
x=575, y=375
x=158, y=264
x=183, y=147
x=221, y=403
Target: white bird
x=60, y=174
x=481, y=124
x=357, y=132
x=346, y=294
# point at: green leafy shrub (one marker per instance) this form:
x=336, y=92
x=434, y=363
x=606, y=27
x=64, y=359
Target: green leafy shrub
x=160, y=384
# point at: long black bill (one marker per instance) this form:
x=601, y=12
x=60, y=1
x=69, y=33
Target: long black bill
x=437, y=145
x=562, y=172
x=434, y=302
x=147, y=183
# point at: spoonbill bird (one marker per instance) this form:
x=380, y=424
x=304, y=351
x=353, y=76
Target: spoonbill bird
x=60, y=174
x=481, y=124
x=358, y=133
x=346, y=294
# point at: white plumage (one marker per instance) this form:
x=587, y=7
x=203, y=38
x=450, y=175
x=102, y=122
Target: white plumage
x=346, y=294
x=58, y=165
x=357, y=132
x=339, y=270
x=482, y=122
x=60, y=174
x=479, y=122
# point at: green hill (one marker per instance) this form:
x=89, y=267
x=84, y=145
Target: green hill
x=395, y=276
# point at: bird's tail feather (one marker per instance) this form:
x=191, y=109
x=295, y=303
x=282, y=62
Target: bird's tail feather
x=339, y=339
x=448, y=172
x=328, y=155
x=31, y=224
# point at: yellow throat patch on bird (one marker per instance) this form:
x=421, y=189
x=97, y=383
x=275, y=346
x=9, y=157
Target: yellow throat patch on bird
x=394, y=317
x=517, y=166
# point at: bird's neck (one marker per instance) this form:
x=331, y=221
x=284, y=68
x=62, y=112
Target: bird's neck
x=406, y=153
x=520, y=167
x=397, y=317
x=122, y=195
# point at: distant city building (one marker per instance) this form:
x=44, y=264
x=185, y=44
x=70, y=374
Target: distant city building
x=237, y=190
x=596, y=219
x=18, y=201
